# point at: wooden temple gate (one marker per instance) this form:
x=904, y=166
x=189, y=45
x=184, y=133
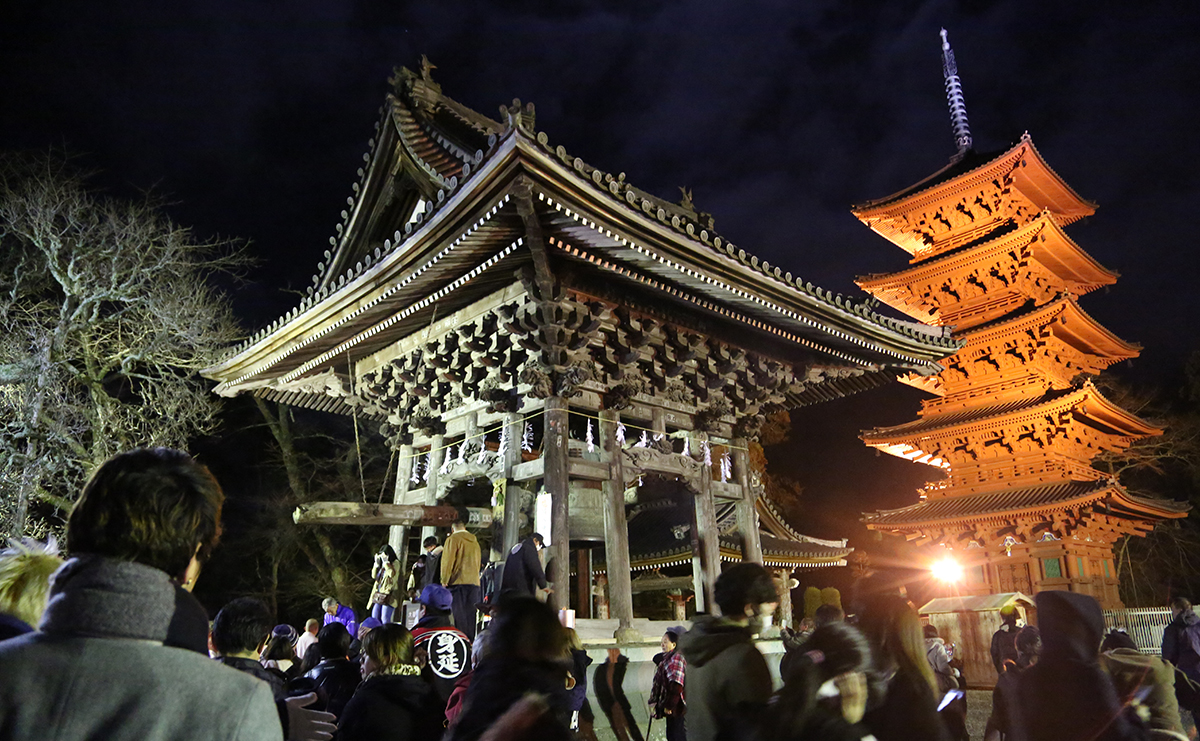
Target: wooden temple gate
x=483, y=282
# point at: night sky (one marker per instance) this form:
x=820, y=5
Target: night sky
x=253, y=117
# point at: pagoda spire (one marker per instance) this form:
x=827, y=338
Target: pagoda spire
x=954, y=98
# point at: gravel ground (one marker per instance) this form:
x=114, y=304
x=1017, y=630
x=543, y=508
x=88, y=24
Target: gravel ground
x=979, y=707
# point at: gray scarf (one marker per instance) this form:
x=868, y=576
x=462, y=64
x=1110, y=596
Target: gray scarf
x=104, y=598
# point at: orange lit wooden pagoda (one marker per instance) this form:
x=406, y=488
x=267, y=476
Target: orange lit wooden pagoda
x=1015, y=421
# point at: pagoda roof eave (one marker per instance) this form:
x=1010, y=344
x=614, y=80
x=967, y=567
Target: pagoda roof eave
x=953, y=423
x=955, y=173
x=1004, y=504
x=1077, y=321
x=1086, y=273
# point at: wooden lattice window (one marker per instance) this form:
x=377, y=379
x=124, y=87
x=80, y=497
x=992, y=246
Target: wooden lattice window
x=1051, y=568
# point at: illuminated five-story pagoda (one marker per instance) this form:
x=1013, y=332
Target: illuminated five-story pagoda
x=1015, y=420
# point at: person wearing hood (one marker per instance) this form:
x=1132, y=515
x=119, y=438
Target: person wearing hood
x=1066, y=695
x=393, y=702
x=1182, y=637
x=1144, y=679
x=728, y=683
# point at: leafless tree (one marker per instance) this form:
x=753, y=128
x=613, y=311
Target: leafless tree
x=1163, y=466
x=320, y=466
x=106, y=313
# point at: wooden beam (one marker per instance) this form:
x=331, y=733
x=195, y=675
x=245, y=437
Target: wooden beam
x=682, y=583
x=362, y=513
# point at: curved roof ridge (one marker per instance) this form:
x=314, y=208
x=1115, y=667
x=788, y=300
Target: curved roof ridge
x=620, y=190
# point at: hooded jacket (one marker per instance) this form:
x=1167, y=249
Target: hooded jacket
x=1147, y=678
x=1177, y=648
x=392, y=707
x=727, y=684
x=1066, y=696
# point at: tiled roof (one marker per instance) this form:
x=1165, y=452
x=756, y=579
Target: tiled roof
x=945, y=510
x=976, y=414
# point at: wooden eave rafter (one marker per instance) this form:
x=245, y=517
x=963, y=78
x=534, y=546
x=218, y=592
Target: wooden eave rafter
x=349, y=313
x=1051, y=246
x=1067, y=320
x=1085, y=401
x=1039, y=182
x=341, y=314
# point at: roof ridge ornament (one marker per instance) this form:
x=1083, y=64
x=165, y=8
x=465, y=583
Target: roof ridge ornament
x=955, y=100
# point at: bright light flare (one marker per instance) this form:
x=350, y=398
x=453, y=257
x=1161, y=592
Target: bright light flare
x=947, y=570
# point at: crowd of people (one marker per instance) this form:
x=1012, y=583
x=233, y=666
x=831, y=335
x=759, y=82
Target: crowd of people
x=110, y=644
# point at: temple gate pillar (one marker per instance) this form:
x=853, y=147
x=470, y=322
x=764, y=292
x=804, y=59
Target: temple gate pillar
x=616, y=532
x=706, y=545
x=512, y=498
x=747, y=513
x=784, y=581
x=583, y=583
x=556, y=478
x=398, y=534
x=436, y=457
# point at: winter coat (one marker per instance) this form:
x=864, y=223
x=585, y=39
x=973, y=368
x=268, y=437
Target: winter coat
x=398, y=708
x=1177, y=648
x=499, y=682
x=98, y=668
x=433, y=568
x=1148, y=678
x=907, y=712
x=727, y=683
x=454, y=706
x=447, y=650
x=335, y=681
x=939, y=660
x=345, y=616
x=461, y=559
x=11, y=627
x=1003, y=695
x=580, y=661
x=189, y=624
x=523, y=572
x=1066, y=696
x=256, y=669
x=1004, y=646
x=385, y=576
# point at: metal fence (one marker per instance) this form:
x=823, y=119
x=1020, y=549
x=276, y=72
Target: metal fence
x=1144, y=625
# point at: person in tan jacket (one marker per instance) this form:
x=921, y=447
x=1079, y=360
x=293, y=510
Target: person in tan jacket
x=460, y=573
